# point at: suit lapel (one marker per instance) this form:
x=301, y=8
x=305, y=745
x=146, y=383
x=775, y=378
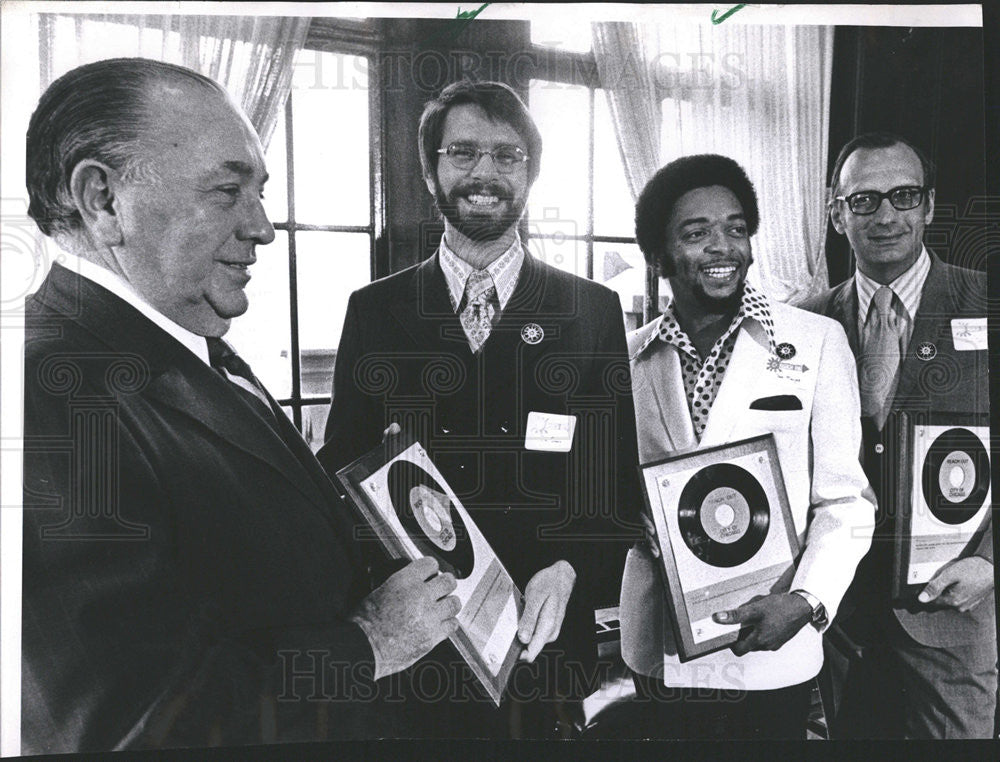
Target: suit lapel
x=426, y=314
x=935, y=298
x=178, y=379
x=737, y=389
x=528, y=304
x=529, y=292
x=205, y=397
x=661, y=380
x=845, y=311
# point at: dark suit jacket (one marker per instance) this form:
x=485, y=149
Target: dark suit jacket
x=174, y=543
x=952, y=381
x=404, y=357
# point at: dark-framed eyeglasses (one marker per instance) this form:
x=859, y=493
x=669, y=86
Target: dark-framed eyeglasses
x=465, y=156
x=903, y=198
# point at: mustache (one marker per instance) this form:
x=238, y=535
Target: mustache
x=478, y=188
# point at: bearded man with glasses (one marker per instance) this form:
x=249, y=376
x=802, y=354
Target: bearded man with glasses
x=926, y=668
x=514, y=376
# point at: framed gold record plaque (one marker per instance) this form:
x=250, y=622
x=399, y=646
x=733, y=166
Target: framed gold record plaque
x=943, y=494
x=400, y=493
x=725, y=535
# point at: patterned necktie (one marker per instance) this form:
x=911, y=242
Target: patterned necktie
x=879, y=357
x=234, y=368
x=481, y=306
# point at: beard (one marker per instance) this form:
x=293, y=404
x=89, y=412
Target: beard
x=717, y=305
x=725, y=305
x=481, y=227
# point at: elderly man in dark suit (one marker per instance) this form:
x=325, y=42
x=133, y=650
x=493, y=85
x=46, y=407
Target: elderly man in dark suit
x=918, y=328
x=473, y=350
x=190, y=575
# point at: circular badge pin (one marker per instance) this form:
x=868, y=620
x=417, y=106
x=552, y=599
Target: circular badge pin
x=532, y=333
x=785, y=351
x=926, y=351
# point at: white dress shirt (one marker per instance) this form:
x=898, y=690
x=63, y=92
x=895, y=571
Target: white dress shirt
x=120, y=288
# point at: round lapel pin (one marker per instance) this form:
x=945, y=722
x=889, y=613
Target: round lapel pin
x=926, y=351
x=785, y=350
x=532, y=333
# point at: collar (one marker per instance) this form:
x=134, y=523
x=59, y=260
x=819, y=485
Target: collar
x=504, y=270
x=907, y=287
x=753, y=314
x=120, y=288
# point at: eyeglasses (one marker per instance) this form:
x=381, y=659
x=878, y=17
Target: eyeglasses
x=902, y=198
x=464, y=156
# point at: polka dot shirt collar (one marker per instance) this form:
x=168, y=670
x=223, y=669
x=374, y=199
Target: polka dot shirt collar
x=754, y=306
x=702, y=377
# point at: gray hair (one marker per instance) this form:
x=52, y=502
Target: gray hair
x=96, y=111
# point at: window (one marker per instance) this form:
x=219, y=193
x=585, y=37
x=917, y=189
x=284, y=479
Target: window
x=321, y=201
x=581, y=215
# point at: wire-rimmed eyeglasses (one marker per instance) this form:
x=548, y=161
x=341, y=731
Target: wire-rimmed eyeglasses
x=465, y=156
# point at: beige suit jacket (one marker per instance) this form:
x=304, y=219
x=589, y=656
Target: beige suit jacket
x=831, y=502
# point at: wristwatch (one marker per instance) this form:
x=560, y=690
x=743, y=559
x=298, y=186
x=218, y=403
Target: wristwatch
x=819, y=619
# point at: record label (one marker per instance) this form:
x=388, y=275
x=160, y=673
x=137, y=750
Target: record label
x=723, y=514
x=430, y=518
x=956, y=476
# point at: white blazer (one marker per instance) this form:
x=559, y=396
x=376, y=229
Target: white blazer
x=818, y=447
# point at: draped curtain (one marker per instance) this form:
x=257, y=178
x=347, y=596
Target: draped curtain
x=251, y=56
x=759, y=94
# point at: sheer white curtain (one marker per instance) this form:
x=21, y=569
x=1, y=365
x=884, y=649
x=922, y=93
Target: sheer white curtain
x=252, y=56
x=759, y=94
x=623, y=67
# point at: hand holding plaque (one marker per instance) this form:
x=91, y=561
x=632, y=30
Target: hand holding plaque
x=768, y=622
x=545, y=598
x=943, y=494
x=409, y=614
x=403, y=497
x=727, y=543
x=961, y=584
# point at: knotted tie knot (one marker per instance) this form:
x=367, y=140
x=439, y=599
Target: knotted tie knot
x=231, y=366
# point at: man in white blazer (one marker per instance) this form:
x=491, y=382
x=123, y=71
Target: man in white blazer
x=724, y=363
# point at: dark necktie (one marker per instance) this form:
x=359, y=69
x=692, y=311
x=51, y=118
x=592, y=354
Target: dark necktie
x=234, y=368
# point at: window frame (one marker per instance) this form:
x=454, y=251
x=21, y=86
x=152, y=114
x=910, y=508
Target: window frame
x=344, y=37
x=574, y=68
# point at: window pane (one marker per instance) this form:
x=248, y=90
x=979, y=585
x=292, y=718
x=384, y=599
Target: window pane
x=562, y=113
x=314, y=424
x=331, y=145
x=622, y=268
x=558, y=31
x=614, y=212
x=330, y=267
x=262, y=336
x=559, y=251
x=276, y=190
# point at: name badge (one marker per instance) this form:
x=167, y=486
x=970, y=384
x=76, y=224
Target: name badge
x=968, y=334
x=549, y=432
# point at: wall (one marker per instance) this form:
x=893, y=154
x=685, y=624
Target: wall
x=925, y=84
